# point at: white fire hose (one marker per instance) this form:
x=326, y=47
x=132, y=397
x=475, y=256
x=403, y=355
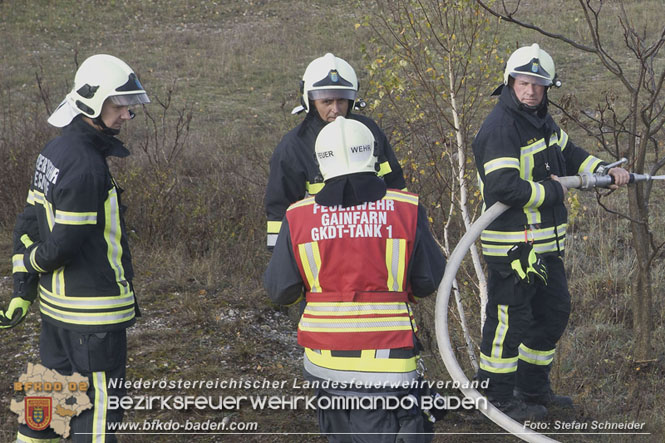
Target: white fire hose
x=582, y=181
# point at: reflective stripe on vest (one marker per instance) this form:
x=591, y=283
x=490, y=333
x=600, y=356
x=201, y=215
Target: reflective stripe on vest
x=311, y=260
x=368, y=369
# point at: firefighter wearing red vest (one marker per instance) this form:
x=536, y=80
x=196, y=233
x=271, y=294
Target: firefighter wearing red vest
x=361, y=252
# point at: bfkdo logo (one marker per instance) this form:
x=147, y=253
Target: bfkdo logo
x=38, y=412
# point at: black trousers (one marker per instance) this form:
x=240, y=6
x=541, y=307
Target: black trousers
x=97, y=356
x=523, y=325
x=373, y=425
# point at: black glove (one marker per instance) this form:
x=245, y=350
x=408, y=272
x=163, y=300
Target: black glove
x=526, y=263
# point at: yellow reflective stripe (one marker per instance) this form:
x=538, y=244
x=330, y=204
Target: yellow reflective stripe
x=395, y=263
x=274, y=227
x=501, y=331
x=99, y=411
x=563, y=142
x=589, y=165
x=26, y=240
x=75, y=218
x=50, y=217
x=345, y=308
x=540, y=248
x=303, y=202
x=35, y=197
x=384, y=169
x=17, y=264
x=87, y=318
x=311, y=261
x=537, y=195
x=313, y=188
x=532, y=216
x=539, y=358
x=518, y=236
x=498, y=365
x=501, y=163
x=33, y=261
x=526, y=158
x=346, y=325
x=112, y=237
x=367, y=362
x=58, y=282
x=78, y=303
x=20, y=438
x=406, y=198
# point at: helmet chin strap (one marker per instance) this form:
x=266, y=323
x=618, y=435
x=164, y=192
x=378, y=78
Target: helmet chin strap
x=105, y=129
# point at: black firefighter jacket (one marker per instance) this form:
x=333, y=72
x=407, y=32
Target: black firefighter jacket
x=294, y=171
x=516, y=151
x=81, y=252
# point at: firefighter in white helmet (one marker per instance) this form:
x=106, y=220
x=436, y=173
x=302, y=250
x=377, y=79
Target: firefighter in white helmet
x=359, y=249
x=329, y=88
x=520, y=152
x=70, y=244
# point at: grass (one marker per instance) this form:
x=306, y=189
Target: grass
x=235, y=65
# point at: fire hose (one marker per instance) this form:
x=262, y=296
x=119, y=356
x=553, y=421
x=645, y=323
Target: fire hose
x=584, y=181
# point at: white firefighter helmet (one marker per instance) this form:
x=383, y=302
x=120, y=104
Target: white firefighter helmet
x=533, y=62
x=99, y=77
x=328, y=77
x=345, y=147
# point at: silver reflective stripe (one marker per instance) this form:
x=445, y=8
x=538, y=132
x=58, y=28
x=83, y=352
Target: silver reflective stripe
x=501, y=331
x=17, y=263
x=312, y=266
x=497, y=250
x=495, y=365
x=272, y=240
x=99, y=412
x=517, y=236
x=357, y=376
x=72, y=218
x=403, y=197
x=91, y=302
x=394, y=264
x=113, y=236
x=347, y=307
x=352, y=324
x=382, y=353
x=88, y=318
x=534, y=148
x=539, y=359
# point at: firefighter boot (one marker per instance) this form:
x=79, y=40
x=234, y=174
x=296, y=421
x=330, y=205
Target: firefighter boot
x=520, y=411
x=548, y=398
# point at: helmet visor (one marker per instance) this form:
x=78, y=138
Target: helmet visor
x=322, y=94
x=531, y=78
x=130, y=99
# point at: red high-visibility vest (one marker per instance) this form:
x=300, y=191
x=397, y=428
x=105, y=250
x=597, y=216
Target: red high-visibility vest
x=354, y=262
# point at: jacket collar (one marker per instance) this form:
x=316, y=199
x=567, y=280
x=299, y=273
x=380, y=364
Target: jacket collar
x=107, y=145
